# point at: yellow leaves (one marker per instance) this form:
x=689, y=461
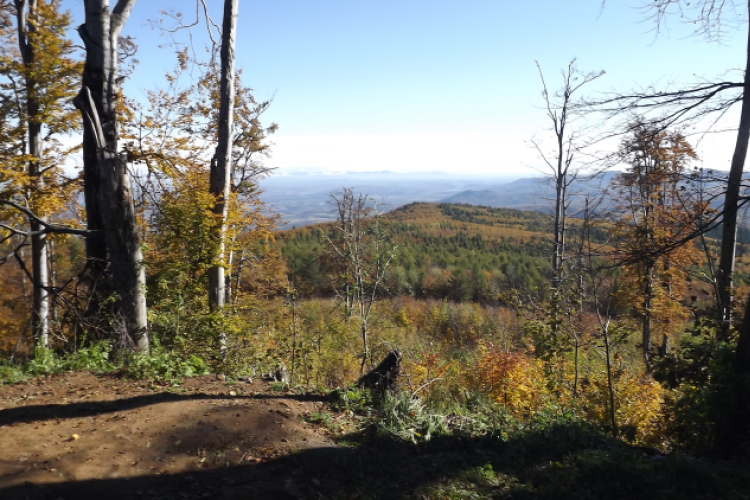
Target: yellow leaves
x=512, y=379
x=639, y=404
x=426, y=368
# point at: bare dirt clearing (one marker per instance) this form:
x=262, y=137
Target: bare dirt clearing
x=81, y=428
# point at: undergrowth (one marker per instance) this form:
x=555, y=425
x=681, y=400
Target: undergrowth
x=99, y=357
x=94, y=358
x=480, y=450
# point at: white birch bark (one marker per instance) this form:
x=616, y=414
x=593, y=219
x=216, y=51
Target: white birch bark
x=221, y=163
x=26, y=13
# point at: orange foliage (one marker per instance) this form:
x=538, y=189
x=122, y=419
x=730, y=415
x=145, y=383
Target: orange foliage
x=656, y=214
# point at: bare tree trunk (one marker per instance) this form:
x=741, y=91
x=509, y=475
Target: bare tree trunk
x=109, y=198
x=610, y=385
x=238, y=276
x=228, y=278
x=647, y=316
x=365, y=347
x=52, y=266
x=27, y=24
x=293, y=303
x=731, y=200
x=125, y=255
x=40, y=273
x=559, y=235
x=733, y=431
x=221, y=163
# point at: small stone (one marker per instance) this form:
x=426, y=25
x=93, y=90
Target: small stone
x=232, y=393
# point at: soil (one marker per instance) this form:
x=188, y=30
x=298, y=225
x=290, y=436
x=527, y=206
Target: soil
x=84, y=436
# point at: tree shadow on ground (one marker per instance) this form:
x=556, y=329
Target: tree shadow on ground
x=38, y=413
x=556, y=462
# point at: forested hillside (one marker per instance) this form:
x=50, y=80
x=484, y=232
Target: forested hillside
x=457, y=252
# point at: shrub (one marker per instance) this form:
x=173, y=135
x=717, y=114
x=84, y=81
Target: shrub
x=513, y=380
x=639, y=406
x=164, y=365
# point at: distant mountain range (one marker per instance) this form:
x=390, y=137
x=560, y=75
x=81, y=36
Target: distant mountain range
x=536, y=194
x=303, y=198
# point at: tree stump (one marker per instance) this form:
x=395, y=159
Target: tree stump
x=384, y=376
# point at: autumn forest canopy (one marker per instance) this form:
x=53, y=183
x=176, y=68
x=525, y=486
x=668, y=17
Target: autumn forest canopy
x=622, y=309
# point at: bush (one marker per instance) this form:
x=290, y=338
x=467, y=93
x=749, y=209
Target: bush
x=700, y=370
x=47, y=362
x=11, y=374
x=164, y=365
x=94, y=358
x=513, y=380
x=44, y=362
x=639, y=406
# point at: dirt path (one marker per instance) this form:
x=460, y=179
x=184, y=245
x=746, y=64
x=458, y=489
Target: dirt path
x=82, y=429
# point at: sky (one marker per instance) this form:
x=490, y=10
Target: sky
x=438, y=85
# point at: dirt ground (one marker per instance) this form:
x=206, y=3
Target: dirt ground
x=83, y=436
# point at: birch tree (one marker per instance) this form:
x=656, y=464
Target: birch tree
x=221, y=163
x=39, y=76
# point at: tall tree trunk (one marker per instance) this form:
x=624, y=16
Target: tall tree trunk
x=610, y=385
x=731, y=200
x=40, y=271
x=41, y=301
x=733, y=431
x=27, y=23
x=648, y=300
x=560, y=179
x=52, y=266
x=109, y=198
x=221, y=163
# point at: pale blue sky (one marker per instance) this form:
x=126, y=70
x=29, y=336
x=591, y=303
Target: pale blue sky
x=431, y=85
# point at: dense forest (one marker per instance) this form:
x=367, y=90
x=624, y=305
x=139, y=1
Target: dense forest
x=615, y=333
x=454, y=252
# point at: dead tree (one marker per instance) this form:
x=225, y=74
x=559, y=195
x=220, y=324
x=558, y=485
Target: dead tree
x=559, y=109
x=365, y=252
